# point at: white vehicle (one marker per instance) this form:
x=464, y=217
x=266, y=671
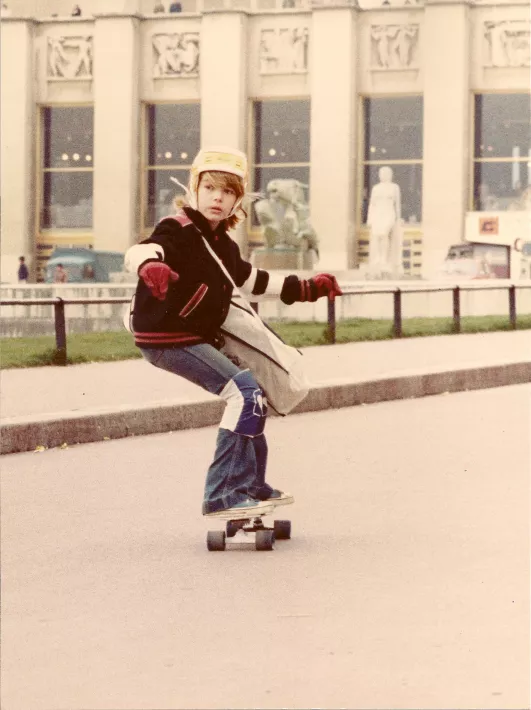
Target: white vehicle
x=497, y=246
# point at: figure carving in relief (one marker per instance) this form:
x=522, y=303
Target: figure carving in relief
x=178, y=54
x=508, y=43
x=403, y=43
x=69, y=65
x=284, y=50
x=57, y=59
x=83, y=61
x=394, y=44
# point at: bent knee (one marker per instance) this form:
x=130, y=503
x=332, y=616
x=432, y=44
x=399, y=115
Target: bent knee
x=246, y=408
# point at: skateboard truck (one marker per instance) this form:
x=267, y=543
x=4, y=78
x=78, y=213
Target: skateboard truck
x=265, y=536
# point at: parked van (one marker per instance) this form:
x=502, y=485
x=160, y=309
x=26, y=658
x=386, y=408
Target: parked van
x=84, y=265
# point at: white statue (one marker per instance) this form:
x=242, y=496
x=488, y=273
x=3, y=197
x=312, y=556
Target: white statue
x=285, y=216
x=385, y=221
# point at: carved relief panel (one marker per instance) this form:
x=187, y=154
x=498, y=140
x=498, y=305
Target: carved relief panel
x=507, y=43
x=175, y=55
x=394, y=46
x=69, y=58
x=284, y=51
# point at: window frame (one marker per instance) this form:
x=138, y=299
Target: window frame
x=46, y=239
x=145, y=167
x=413, y=233
x=253, y=231
x=362, y=163
x=473, y=160
x=41, y=170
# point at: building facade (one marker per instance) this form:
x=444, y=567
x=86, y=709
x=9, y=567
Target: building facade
x=100, y=109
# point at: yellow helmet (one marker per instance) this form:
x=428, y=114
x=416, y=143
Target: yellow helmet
x=221, y=159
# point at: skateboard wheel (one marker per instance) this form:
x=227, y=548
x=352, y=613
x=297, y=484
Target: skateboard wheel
x=264, y=539
x=282, y=529
x=216, y=540
x=232, y=528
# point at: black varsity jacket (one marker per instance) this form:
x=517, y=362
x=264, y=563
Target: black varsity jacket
x=197, y=303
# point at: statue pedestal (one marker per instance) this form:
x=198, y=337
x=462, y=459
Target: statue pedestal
x=285, y=258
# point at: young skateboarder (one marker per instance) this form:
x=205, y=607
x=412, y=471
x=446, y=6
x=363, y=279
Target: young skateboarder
x=182, y=299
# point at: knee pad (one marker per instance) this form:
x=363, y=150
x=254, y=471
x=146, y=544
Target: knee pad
x=246, y=408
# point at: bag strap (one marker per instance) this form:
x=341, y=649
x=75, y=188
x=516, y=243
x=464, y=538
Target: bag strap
x=224, y=269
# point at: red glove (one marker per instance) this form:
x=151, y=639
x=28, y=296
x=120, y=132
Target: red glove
x=156, y=275
x=323, y=285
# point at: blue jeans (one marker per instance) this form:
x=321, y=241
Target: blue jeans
x=239, y=467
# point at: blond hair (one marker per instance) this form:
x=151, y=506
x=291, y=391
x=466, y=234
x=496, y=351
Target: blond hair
x=221, y=180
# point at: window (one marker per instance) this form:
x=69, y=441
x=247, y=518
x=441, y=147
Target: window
x=281, y=146
x=67, y=163
x=393, y=137
x=173, y=133
x=502, y=152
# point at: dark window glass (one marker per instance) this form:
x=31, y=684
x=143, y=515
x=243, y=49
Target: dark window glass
x=173, y=133
x=67, y=200
x=502, y=125
x=282, y=131
x=262, y=176
x=502, y=186
x=161, y=192
x=68, y=137
x=409, y=180
x=393, y=128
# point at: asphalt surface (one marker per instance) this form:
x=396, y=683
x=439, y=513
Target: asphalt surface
x=56, y=405
x=405, y=585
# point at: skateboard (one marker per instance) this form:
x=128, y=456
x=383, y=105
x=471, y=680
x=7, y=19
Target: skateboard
x=248, y=530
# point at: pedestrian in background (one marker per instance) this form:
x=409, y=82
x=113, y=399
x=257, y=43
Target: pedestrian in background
x=23, y=273
x=60, y=276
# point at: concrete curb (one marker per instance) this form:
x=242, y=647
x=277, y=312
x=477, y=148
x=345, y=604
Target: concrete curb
x=20, y=434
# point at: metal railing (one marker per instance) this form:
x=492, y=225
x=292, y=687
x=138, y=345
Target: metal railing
x=396, y=292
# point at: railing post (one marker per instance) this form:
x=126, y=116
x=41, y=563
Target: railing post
x=397, y=318
x=512, y=306
x=456, y=294
x=60, y=332
x=331, y=328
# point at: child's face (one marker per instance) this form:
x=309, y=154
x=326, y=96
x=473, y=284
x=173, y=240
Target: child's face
x=214, y=203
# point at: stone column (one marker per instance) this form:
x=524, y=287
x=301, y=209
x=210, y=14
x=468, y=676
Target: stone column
x=116, y=131
x=446, y=71
x=223, y=78
x=17, y=146
x=223, y=84
x=333, y=50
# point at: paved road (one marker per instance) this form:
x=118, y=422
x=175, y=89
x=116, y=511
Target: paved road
x=406, y=584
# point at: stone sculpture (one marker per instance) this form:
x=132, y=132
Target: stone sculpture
x=284, y=216
x=385, y=223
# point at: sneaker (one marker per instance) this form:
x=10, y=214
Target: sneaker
x=280, y=498
x=246, y=509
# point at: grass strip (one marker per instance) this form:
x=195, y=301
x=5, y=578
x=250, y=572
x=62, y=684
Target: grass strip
x=108, y=346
